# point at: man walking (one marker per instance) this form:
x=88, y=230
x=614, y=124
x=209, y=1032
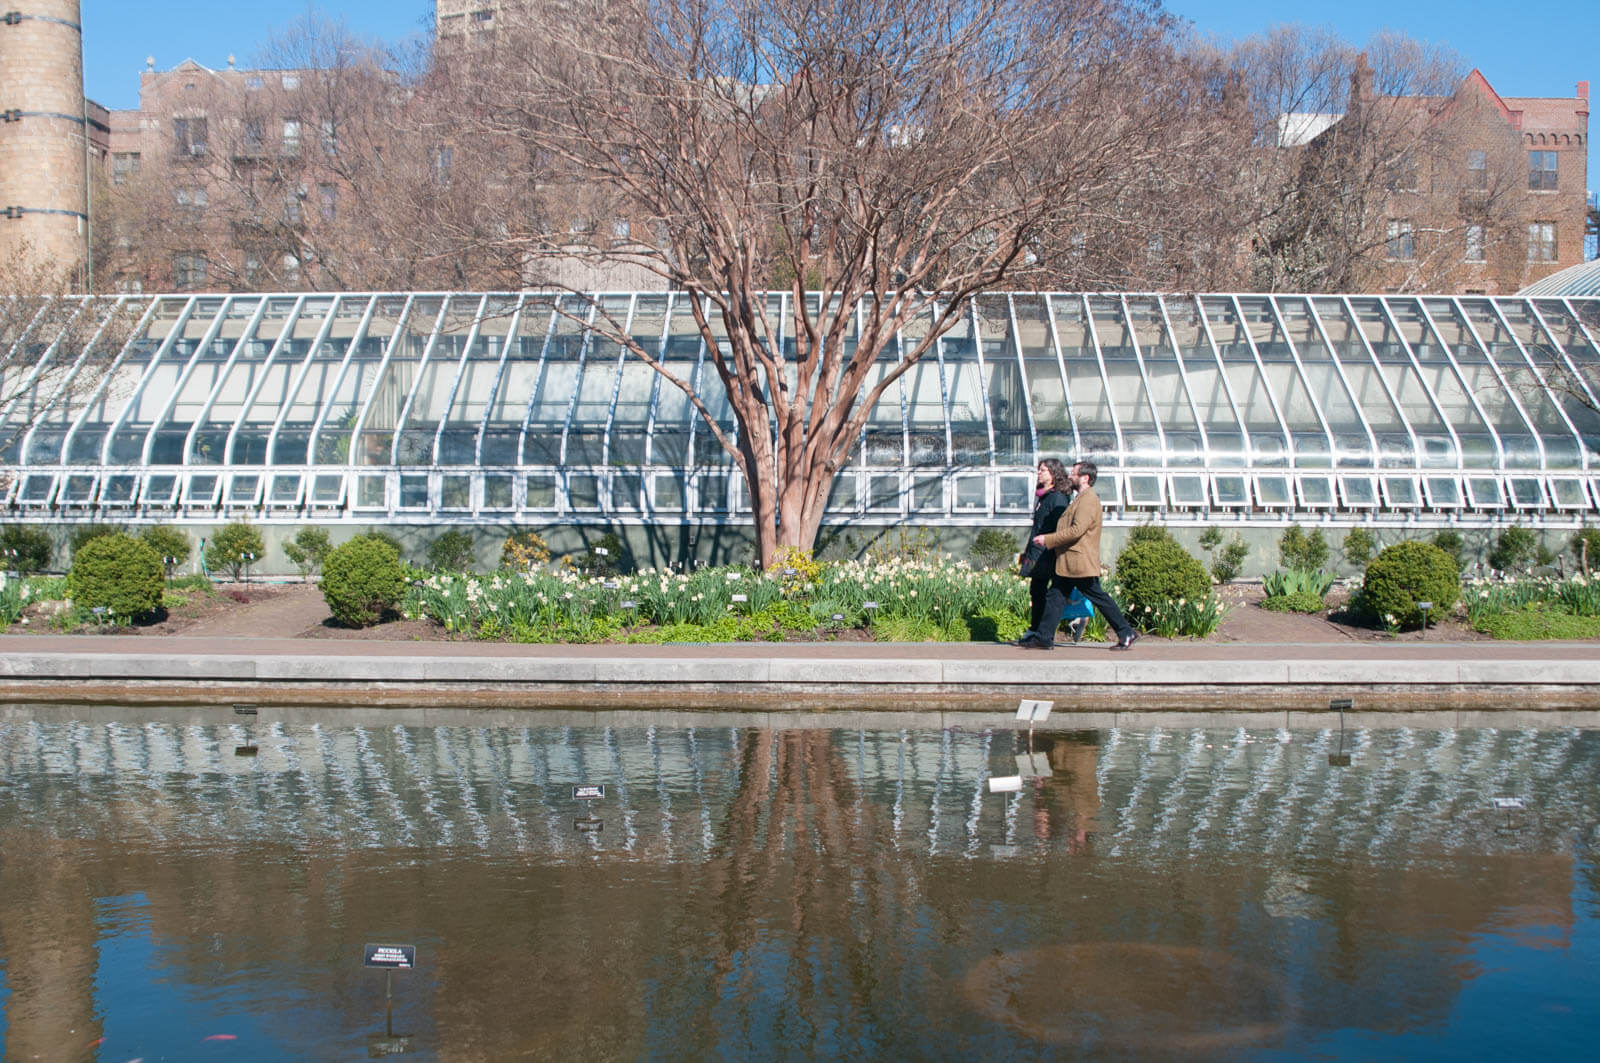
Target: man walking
x=1076, y=542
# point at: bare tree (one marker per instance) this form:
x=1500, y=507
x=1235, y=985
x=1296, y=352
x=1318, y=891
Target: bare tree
x=54, y=346
x=893, y=158
x=328, y=167
x=1375, y=168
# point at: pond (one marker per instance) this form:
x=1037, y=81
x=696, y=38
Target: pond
x=175, y=886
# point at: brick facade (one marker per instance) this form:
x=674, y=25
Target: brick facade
x=1494, y=197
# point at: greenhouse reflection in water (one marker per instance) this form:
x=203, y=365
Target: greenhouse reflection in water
x=755, y=893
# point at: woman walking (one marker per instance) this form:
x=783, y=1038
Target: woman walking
x=1037, y=563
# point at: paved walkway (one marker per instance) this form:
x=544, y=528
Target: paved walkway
x=1407, y=674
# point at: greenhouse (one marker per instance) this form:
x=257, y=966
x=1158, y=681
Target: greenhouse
x=442, y=409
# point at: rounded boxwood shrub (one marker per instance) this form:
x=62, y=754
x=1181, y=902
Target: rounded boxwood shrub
x=1405, y=574
x=118, y=573
x=361, y=580
x=1153, y=569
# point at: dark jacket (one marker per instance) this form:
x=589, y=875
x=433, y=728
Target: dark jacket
x=1046, y=512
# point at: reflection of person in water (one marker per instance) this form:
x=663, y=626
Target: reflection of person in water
x=1066, y=804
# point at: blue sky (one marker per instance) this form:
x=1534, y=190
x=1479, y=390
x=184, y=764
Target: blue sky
x=1531, y=48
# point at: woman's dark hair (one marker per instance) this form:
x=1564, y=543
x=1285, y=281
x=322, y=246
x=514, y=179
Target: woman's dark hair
x=1058, y=475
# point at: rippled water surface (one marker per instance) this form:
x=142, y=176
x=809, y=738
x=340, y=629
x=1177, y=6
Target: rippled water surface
x=743, y=893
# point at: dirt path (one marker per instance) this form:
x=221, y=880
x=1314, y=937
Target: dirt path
x=286, y=610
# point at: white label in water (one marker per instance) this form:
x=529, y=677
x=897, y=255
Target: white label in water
x=1005, y=784
x=1510, y=803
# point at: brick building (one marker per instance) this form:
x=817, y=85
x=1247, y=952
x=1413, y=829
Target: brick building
x=1478, y=193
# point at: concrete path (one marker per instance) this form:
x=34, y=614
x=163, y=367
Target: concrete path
x=1156, y=676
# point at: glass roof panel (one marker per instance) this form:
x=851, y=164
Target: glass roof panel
x=1092, y=412
x=1326, y=380
x=1003, y=382
x=924, y=390
x=1483, y=380
x=1257, y=405
x=1141, y=435
x=1047, y=394
x=1167, y=385
x=1300, y=413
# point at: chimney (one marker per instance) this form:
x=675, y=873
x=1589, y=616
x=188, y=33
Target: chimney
x=1583, y=90
x=1360, y=82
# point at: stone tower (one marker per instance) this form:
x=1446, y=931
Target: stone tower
x=43, y=165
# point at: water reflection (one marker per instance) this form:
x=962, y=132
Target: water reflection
x=806, y=893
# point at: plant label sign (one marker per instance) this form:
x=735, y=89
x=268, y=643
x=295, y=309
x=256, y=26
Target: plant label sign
x=390, y=957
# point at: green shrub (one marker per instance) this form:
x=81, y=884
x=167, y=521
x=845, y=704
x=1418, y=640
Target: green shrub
x=1154, y=570
x=89, y=532
x=171, y=545
x=452, y=552
x=26, y=550
x=603, y=558
x=1358, y=547
x=388, y=540
x=1295, y=602
x=1226, y=563
x=361, y=580
x=994, y=548
x=1296, y=549
x=118, y=573
x=1515, y=548
x=234, y=548
x=1149, y=533
x=308, y=549
x=1451, y=543
x=1405, y=574
x=524, y=550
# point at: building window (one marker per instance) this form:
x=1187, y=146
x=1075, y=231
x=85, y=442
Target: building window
x=291, y=136
x=330, y=140
x=1474, y=243
x=189, y=136
x=1478, y=170
x=620, y=229
x=189, y=271
x=1542, y=241
x=291, y=269
x=191, y=197
x=443, y=156
x=255, y=136
x=1403, y=173
x=1542, y=171
x=291, y=82
x=1401, y=240
x=291, y=209
x=123, y=163
x=328, y=200
x=483, y=18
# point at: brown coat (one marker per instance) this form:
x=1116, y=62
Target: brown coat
x=1076, y=539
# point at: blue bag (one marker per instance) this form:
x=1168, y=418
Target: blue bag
x=1077, y=607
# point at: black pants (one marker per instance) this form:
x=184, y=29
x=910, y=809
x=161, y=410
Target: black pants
x=1038, y=587
x=1055, y=605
